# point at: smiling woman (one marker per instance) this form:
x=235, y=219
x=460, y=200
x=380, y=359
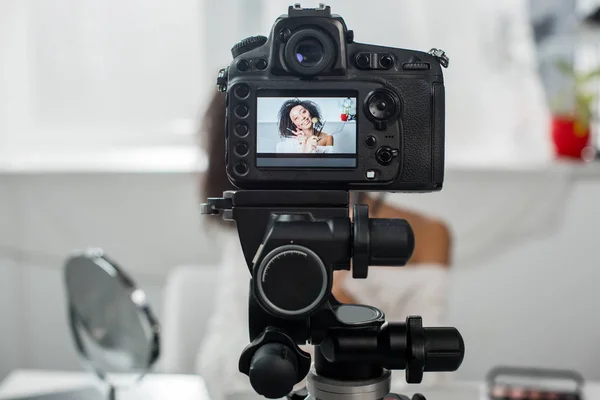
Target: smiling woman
x=301, y=120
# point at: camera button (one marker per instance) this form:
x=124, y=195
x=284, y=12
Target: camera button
x=241, y=130
x=385, y=155
x=241, y=168
x=284, y=35
x=260, y=64
x=386, y=61
x=243, y=65
x=371, y=141
x=416, y=66
x=241, y=149
x=241, y=111
x=242, y=91
x=363, y=60
x=370, y=174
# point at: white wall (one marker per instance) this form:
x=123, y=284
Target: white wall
x=331, y=108
x=86, y=73
x=10, y=315
x=537, y=302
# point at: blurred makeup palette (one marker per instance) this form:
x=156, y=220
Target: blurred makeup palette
x=518, y=383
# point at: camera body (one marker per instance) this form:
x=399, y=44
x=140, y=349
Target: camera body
x=308, y=108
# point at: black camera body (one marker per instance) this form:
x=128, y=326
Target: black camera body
x=376, y=113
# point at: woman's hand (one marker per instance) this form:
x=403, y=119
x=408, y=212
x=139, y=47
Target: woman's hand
x=311, y=144
x=298, y=132
x=307, y=143
x=302, y=141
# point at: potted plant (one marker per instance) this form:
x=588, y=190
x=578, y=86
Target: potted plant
x=572, y=115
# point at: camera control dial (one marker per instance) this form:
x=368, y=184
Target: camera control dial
x=382, y=106
x=291, y=281
x=245, y=45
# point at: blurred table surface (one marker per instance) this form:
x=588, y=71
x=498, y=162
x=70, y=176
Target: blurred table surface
x=25, y=382
x=182, y=387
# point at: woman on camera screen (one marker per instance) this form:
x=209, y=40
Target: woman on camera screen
x=300, y=125
x=416, y=289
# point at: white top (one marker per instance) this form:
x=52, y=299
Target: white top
x=398, y=292
x=292, y=145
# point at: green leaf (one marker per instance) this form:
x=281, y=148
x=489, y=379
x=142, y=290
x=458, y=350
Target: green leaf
x=591, y=75
x=586, y=98
x=565, y=66
x=583, y=113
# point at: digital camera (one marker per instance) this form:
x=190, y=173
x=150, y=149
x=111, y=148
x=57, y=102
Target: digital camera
x=309, y=108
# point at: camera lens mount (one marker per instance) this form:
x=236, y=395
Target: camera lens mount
x=309, y=52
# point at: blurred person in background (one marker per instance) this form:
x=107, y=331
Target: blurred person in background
x=417, y=289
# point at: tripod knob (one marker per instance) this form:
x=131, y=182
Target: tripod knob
x=379, y=241
x=432, y=349
x=273, y=370
x=395, y=345
x=274, y=364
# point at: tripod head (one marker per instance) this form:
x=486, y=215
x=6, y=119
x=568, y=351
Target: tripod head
x=292, y=242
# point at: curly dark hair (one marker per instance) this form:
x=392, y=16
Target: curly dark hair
x=285, y=121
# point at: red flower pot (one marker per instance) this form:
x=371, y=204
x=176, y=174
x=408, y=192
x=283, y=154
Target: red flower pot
x=567, y=141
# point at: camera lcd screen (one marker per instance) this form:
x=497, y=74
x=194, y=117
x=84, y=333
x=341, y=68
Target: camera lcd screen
x=306, y=132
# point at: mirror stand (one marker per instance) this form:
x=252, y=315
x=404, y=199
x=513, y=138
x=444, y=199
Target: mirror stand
x=114, y=330
x=112, y=393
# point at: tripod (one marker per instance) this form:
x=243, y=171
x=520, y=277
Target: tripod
x=292, y=242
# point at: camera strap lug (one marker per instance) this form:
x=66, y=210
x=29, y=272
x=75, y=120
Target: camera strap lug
x=222, y=79
x=441, y=56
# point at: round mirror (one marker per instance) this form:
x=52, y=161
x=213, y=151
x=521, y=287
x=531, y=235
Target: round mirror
x=113, y=327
